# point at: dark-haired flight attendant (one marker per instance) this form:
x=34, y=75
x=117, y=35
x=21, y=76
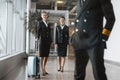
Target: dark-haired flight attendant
x=62, y=41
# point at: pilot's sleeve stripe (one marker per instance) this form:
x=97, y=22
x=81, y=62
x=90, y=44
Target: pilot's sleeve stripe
x=106, y=32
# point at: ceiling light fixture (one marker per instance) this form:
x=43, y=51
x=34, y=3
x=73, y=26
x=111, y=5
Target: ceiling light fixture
x=59, y=2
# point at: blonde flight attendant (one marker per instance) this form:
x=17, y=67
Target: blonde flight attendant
x=44, y=37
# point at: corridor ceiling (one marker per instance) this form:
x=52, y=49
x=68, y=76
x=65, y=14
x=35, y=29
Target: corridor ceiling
x=58, y=5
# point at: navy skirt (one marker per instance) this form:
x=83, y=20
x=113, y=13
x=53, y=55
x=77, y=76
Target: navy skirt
x=44, y=48
x=62, y=50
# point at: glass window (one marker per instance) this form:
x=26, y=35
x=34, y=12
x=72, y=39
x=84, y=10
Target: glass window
x=3, y=26
x=12, y=30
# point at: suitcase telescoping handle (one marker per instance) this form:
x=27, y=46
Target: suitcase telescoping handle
x=37, y=48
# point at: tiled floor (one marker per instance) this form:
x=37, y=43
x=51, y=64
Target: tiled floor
x=19, y=73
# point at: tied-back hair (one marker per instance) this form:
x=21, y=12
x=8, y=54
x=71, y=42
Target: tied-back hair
x=44, y=12
x=62, y=17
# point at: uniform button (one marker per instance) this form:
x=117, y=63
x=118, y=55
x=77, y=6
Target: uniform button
x=77, y=20
x=76, y=14
x=88, y=11
x=84, y=30
x=85, y=20
x=76, y=30
x=84, y=0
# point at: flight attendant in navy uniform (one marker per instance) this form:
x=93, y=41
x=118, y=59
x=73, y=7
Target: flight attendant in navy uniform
x=44, y=36
x=93, y=36
x=62, y=41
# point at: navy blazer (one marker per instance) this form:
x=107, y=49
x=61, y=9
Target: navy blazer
x=44, y=32
x=62, y=35
x=89, y=20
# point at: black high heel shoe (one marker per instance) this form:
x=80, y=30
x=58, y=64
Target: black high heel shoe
x=59, y=69
x=44, y=74
x=62, y=69
x=37, y=77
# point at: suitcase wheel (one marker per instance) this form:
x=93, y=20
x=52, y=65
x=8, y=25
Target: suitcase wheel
x=28, y=75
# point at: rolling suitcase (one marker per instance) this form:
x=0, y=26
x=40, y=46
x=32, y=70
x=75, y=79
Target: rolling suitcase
x=33, y=68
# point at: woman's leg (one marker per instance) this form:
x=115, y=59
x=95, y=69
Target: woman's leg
x=42, y=65
x=45, y=62
x=63, y=59
x=59, y=63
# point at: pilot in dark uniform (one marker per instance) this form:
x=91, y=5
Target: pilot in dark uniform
x=91, y=35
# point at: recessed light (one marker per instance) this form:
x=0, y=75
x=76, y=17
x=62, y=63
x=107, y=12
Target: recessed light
x=59, y=2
